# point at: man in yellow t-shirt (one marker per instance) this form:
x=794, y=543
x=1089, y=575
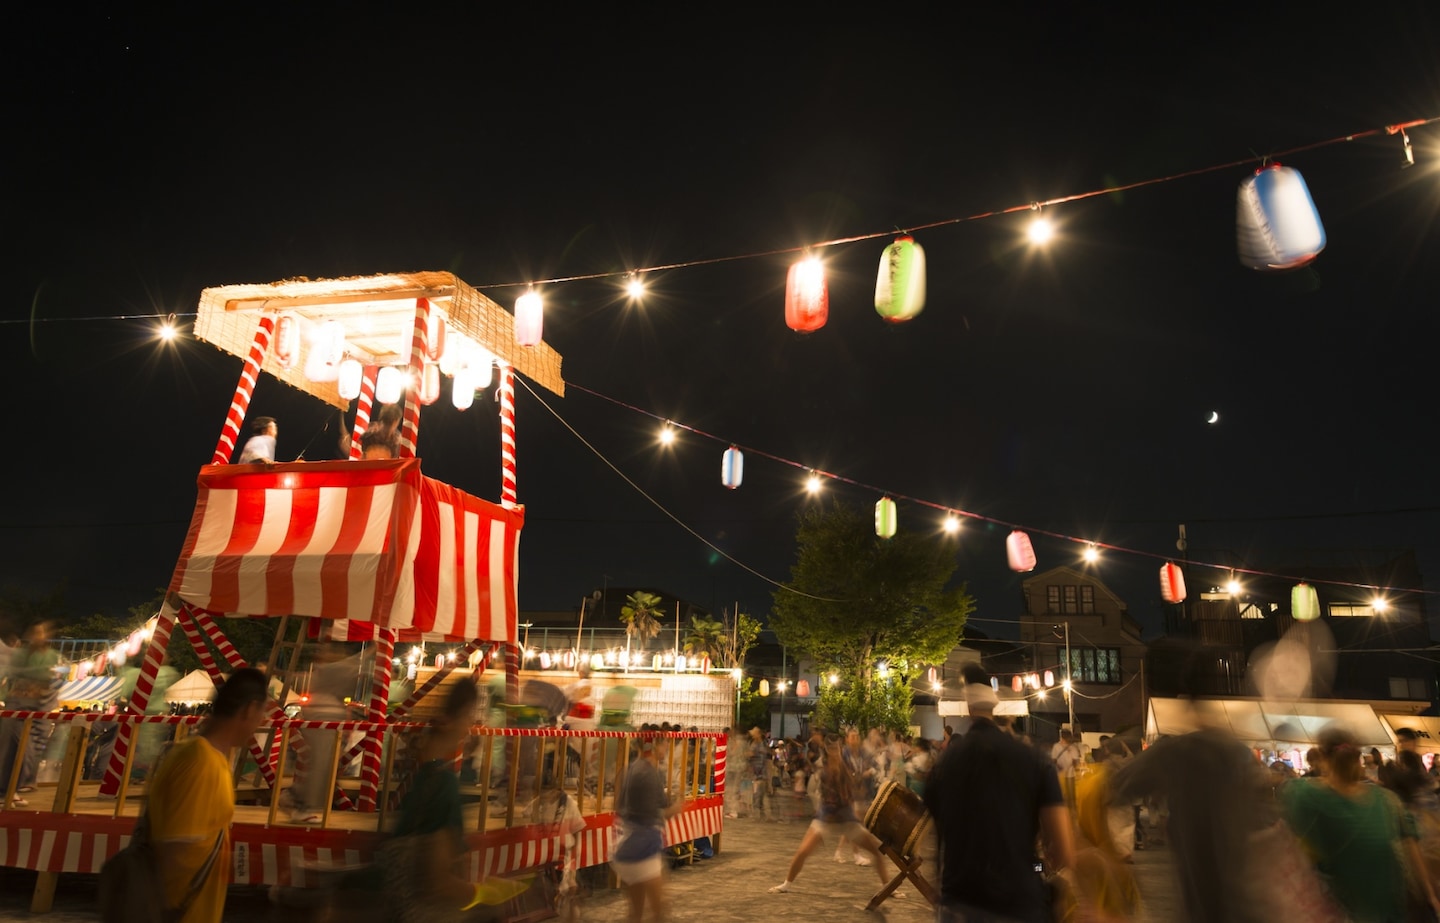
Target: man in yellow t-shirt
x=191, y=800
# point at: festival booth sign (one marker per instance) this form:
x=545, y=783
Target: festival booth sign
x=1427, y=730
x=1015, y=707
x=1275, y=725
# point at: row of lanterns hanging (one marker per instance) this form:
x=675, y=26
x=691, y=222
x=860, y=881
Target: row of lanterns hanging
x=469, y=364
x=118, y=653
x=1277, y=227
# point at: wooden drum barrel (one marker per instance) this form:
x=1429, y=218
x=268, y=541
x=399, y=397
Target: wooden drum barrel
x=898, y=818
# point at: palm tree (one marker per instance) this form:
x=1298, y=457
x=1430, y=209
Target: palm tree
x=705, y=638
x=640, y=615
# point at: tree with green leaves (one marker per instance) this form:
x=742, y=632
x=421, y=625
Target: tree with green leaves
x=872, y=610
x=704, y=637
x=641, y=615
x=738, y=636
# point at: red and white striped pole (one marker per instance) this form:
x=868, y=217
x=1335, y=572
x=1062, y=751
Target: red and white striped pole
x=140, y=698
x=189, y=623
x=379, y=702
x=508, y=496
x=244, y=389
x=363, y=407
x=420, y=692
x=267, y=761
x=410, y=422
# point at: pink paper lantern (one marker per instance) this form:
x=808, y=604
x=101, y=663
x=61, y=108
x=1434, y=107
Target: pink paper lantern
x=807, y=299
x=529, y=318
x=1019, y=552
x=802, y=688
x=1016, y=683
x=1172, y=583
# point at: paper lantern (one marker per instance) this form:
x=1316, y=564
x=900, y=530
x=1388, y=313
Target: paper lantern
x=544, y=660
x=802, y=688
x=885, y=517
x=287, y=340
x=657, y=662
x=439, y=661
x=995, y=683
x=900, y=284
x=764, y=687
x=1304, y=603
x=1276, y=223
x=569, y=660
x=389, y=384
x=429, y=390
x=529, y=318
x=932, y=675
x=327, y=348
x=807, y=300
x=1016, y=683
x=1019, y=552
x=348, y=378
x=679, y=663
x=596, y=661
x=434, y=331
x=1172, y=583
x=1049, y=678
x=732, y=467
x=462, y=390
x=705, y=664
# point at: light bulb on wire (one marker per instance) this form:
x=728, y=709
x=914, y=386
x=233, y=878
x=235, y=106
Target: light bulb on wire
x=1092, y=553
x=951, y=525
x=1040, y=231
x=667, y=435
x=812, y=483
x=635, y=287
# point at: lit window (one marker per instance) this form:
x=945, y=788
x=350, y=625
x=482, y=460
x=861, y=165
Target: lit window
x=1350, y=610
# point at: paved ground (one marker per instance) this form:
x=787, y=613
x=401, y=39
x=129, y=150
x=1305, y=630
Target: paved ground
x=730, y=888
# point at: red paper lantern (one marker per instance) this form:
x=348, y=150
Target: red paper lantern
x=1019, y=552
x=1017, y=683
x=802, y=688
x=1172, y=583
x=807, y=299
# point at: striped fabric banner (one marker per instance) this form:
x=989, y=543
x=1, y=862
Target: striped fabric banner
x=368, y=541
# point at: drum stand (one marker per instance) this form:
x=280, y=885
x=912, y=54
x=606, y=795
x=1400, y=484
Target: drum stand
x=905, y=868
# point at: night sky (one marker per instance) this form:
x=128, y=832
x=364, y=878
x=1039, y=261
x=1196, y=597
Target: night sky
x=156, y=151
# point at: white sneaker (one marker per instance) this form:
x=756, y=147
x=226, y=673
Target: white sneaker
x=863, y=860
x=781, y=888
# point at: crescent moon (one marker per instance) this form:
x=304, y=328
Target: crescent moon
x=1214, y=416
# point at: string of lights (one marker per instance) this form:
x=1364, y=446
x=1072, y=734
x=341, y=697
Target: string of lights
x=953, y=515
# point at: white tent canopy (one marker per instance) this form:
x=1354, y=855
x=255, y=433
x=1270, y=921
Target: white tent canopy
x=1261, y=723
x=193, y=688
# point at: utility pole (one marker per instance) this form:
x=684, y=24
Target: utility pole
x=1069, y=677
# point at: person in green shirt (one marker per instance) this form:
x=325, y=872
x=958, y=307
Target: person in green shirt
x=1351, y=828
x=32, y=684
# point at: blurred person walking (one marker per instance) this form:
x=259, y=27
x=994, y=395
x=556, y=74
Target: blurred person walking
x=1362, y=840
x=642, y=807
x=992, y=798
x=835, y=818
x=32, y=684
x=190, y=800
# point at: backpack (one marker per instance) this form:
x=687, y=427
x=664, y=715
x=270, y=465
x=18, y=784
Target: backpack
x=130, y=888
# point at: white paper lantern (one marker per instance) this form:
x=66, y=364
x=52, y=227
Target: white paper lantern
x=1276, y=223
x=462, y=389
x=327, y=348
x=429, y=390
x=1019, y=552
x=389, y=384
x=348, y=379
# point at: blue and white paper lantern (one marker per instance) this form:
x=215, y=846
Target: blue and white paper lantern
x=732, y=467
x=1276, y=224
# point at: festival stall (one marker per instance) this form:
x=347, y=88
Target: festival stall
x=363, y=549
x=1286, y=729
x=1427, y=730
x=92, y=690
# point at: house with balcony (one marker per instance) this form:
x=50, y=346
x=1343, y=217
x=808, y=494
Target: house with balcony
x=1074, y=627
